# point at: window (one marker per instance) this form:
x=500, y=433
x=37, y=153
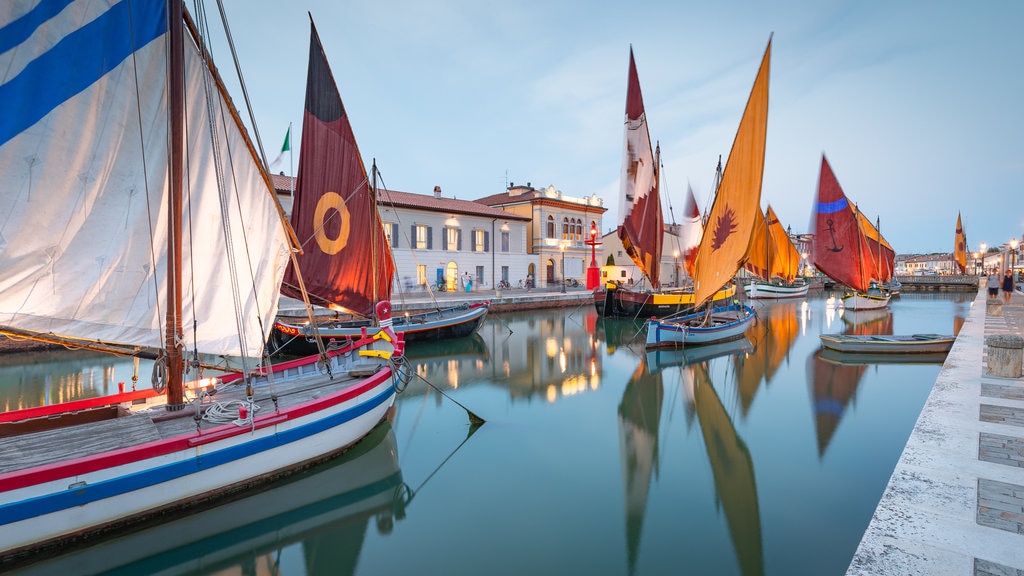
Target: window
x=421, y=274
x=551, y=226
x=480, y=241
x=505, y=243
x=479, y=275
x=421, y=235
x=391, y=233
x=452, y=239
x=565, y=228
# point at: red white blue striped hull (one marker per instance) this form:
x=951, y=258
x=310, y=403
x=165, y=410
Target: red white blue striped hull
x=727, y=323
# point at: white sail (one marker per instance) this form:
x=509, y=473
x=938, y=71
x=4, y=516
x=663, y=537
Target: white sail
x=83, y=188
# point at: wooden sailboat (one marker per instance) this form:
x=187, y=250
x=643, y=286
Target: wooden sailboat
x=149, y=255
x=774, y=260
x=643, y=227
x=842, y=249
x=724, y=247
x=348, y=269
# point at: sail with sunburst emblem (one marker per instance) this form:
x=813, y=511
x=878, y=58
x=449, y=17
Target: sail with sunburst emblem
x=737, y=206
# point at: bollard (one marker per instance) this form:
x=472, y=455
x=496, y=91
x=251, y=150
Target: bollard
x=1005, y=355
x=994, y=307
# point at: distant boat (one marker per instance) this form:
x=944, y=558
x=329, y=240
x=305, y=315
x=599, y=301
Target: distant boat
x=842, y=246
x=774, y=260
x=723, y=247
x=149, y=255
x=960, y=247
x=642, y=228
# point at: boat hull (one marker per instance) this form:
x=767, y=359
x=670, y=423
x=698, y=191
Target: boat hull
x=728, y=323
x=78, y=497
x=617, y=302
x=775, y=291
x=859, y=301
x=432, y=326
x=888, y=344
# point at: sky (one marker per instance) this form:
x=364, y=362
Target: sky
x=917, y=104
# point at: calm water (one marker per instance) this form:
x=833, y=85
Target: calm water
x=759, y=457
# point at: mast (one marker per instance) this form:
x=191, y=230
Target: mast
x=176, y=113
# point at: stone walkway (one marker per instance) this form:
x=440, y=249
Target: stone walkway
x=955, y=502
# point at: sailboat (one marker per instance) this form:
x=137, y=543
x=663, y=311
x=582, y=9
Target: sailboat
x=642, y=228
x=842, y=248
x=327, y=268
x=960, y=247
x=774, y=260
x=163, y=239
x=724, y=246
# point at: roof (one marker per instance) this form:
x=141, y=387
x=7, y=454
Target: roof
x=282, y=183
x=433, y=203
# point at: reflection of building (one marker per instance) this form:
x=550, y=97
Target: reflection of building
x=543, y=355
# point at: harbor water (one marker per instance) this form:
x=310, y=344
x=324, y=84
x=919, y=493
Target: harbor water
x=760, y=456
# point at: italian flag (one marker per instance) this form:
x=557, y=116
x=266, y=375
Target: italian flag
x=286, y=147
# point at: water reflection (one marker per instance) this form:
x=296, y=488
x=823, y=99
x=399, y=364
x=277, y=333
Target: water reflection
x=731, y=464
x=29, y=379
x=773, y=336
x=833, y=387
x=639, y=420
x=314, y=522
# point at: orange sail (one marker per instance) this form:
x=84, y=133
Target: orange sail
x=960, y=250
x=642, y=228
x=723, y=248
x=759, y=257
x=346, y=262
x=785, y=262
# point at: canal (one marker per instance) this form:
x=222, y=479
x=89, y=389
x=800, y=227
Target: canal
x=762, y=456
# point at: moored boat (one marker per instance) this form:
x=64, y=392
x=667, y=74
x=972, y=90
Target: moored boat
x=844, y=244
x=774, y=261
x=888, y=343
x=176, y=261
x=724, y=246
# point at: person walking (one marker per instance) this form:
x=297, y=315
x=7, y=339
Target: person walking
x=1007, y=286
x=993, y=284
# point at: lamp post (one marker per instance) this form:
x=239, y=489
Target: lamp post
x=803, y=263
x=563, y=267
x=976, y=263
x=1013, y=258
x=593, y=272
x=983, y=247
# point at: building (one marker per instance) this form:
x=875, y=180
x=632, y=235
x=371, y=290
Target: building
x=440, y=240
x=560, y=231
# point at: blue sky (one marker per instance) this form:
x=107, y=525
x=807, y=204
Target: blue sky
x=917, y=104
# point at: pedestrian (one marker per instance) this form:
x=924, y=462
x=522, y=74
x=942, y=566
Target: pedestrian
x=993, y=284
x=1007, y=286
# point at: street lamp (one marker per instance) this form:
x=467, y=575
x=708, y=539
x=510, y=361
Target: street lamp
x=593, y=272
x=976, y=263
x=1013, y=258
x=563, y=267
x=983, y=247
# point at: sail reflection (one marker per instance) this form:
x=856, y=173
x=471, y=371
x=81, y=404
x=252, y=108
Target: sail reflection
x=833, y=387
x=731, y=463
x=733, y=471
x=867, y=322
x=773, y=336
x=316, y=521
x=639, y=420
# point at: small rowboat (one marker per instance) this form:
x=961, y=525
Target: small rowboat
x=889, y=344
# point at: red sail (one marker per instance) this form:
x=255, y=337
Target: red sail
x=837, y=238
x=346, y=262
x=642, y=228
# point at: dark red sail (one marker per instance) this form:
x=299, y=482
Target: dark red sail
x=346, y=262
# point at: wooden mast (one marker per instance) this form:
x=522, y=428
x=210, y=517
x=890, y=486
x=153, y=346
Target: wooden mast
x=176, y=114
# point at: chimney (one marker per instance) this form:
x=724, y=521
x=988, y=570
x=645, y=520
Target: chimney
x=437, y=191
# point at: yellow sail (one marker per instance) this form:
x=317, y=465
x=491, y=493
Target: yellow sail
x=759, y=257
x=723, y=249
x=960, y=251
